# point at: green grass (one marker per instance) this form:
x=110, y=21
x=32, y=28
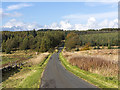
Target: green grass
x=33, y=81
x=19, y=55
x=8, y=59
x=30, y=77
x=93, y=78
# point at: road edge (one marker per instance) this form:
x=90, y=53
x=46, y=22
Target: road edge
x=47, y=60
x=98, y=85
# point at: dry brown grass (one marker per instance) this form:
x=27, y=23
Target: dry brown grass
x=103, y=62
x=39, y=58
x=106, y=54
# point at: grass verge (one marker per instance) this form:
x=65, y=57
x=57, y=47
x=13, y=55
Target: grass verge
x=28, y=77
x=96, y=79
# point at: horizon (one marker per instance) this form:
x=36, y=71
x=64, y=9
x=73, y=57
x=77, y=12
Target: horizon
x=115, y=29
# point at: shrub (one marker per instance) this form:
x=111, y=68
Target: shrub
x=51, y=50
x=8, y=51
x=95, y=47
x=77, y=49
x=72, y=40
x=109, y=46
x=98, y=47
x=102, y=46
x=86, y=47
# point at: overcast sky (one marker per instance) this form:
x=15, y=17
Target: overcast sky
x=59, y=15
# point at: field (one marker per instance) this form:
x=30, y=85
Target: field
x=101, y=66
x=21, y=77
x=103, y=61
x=16, y=57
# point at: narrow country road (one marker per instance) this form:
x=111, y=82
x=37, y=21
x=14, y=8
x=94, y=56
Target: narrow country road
x=56, y=76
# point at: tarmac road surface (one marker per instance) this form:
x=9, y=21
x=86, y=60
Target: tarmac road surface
x=56, y=76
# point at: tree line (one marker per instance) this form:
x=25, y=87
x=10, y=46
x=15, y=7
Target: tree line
x=36, y=40
x=74, y=40
x=46, y=40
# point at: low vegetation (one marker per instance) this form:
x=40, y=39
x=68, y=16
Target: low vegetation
x=17, y=57
x=93, y=64
x=84, y=73
x=28, y=75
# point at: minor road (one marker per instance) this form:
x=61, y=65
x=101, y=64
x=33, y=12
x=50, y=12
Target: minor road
x=56, y=76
